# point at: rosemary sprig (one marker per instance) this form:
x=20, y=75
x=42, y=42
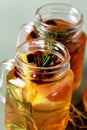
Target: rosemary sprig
x=40, y=17
x=25, y=112
x=37, y=60
x=49, y=60
x=56, y=35
x=78, y=117
x=46, y=60
x=15, y=126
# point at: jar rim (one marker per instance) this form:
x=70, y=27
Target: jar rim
x=26, y=44
x=56, y=4
x=77, y=25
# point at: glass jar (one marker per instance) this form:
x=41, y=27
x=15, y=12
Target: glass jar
x=38, y=86
x=64, y=23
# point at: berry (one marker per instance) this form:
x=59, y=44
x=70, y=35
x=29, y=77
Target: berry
x=33, y=35
x=38, y=53
x=30, y=58
x=50, y=22
x=37, y=75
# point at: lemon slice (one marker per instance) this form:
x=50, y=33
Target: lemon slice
x=38, y=99
x=24, y=58
x=29, y=90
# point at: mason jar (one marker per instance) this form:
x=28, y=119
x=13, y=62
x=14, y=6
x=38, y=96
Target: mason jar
x=64, y=23
x=38, y=86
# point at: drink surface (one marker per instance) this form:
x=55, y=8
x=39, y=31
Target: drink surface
x=64, y=32
x=37, y=100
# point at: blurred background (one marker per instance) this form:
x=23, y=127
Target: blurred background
x=14, y=13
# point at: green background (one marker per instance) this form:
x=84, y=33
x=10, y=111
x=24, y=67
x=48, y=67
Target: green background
x=14, y=13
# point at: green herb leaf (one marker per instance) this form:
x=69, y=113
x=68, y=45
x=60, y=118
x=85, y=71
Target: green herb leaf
x=40, y=17
x=47, y=61
x=15, y=126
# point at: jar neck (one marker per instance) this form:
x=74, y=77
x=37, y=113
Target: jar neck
x=58, y=20
x=47, y=73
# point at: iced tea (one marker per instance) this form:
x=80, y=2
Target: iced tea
x=39, y=89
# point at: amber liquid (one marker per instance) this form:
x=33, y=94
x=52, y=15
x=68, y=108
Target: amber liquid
x=75, y=45
x=33, y=106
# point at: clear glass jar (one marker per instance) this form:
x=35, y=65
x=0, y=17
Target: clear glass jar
x=38, y=90
x=63, y=23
